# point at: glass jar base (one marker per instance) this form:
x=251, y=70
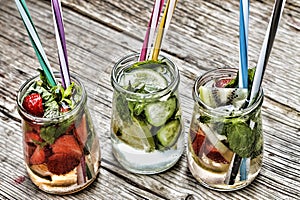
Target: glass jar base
x=215, y=180
x=67, y=185
x=140, y=162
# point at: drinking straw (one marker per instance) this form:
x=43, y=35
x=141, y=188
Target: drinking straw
x=244, y=25
x=152, y=25
x=243, y=64
x=163, y=27
x=61, y=42
x=260, y=68
x=35, y=41
x=266, y=49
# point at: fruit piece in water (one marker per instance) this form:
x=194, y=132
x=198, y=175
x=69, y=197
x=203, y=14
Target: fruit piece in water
x=217, y=97
x=201, y=145
x=66, y=155
x=38, y=156
x=222, y=82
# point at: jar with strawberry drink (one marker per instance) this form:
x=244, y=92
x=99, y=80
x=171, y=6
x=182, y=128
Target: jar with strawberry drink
x=225, y=143
x=61, y=147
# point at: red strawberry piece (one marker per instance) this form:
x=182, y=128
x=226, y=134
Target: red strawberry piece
x=222, y=83
x=66, y=155
x=31, y=137
x=66, y=144
x=61, y=163
x=198, y=142
x=213, y=154
x=81, y=132
x=29, y=149
x=38, y=156
x=33, y=104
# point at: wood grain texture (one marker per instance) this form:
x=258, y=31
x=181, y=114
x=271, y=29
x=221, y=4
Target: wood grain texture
x=203, y=35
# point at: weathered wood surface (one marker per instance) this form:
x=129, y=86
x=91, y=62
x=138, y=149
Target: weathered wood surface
x=203, y=35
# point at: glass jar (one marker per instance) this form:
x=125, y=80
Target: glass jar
x=225, y=142
x=146, y=123
x=62, y=154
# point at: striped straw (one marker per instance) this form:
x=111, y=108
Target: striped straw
x=35, y=41
x=61, y=42
x=163, y=27
x=266, y=49
x=152, y=25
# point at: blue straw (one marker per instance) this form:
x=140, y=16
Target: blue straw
x=243, y=67
x=244, y=24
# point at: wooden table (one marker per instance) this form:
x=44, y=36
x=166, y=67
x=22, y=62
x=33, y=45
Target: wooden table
x=203, y=35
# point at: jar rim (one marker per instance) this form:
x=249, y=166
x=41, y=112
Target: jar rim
x=172, y=86
x=258, y=100
x=35, y=119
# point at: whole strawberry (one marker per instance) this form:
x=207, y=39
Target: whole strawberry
x=33, y=104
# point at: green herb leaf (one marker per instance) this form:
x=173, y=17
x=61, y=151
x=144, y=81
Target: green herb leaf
x=240, y=138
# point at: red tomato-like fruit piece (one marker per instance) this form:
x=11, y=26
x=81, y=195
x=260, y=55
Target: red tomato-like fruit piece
x=222, y=83
x=38, y=156
x=33, y=104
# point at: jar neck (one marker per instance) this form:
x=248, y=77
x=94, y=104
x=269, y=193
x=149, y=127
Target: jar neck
x=79, y=105
x=131, y=59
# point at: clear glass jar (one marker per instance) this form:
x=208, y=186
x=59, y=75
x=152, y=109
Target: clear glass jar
x=146, y=125
x=71, y=160
x=225, y=145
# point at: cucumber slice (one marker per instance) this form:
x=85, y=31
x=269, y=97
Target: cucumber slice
x=159, y=112
x=216, y=97
x=168, y=134
x=147, y=78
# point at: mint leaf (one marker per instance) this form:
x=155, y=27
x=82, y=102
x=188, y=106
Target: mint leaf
x=234, y=83
x=240, y=138
x=51, y=132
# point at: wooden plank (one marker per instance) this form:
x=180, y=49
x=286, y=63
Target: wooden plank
x=95, y=29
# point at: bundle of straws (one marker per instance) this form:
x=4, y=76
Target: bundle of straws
x=152, y=43
x=239, y=163
x=37, y=45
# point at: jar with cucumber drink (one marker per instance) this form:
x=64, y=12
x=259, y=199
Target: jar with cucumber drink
x=146, y=123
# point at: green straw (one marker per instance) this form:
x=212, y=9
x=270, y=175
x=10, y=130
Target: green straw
x=35, y=41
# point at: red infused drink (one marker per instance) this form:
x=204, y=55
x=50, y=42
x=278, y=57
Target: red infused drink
x=61, y=148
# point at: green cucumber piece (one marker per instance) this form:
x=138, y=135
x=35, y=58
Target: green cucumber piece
x=168, y=134
x=149, y=79
x=159, y=112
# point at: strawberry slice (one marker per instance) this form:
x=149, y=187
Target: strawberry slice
x=66, y=155
x=222, y=83
x=67, y=144
x=38, y=156
x=32, y=137
x=61, y=163
x=33, y=104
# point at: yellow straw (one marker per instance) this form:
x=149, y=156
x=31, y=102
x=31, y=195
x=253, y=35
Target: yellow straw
x=163, y=28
